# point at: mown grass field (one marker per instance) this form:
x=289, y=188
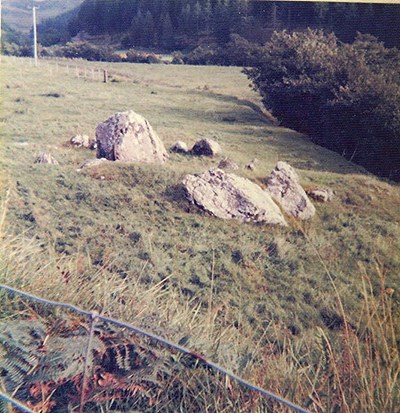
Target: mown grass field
x=121, y=240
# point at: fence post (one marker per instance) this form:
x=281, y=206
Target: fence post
x=87, y=358
x=105, y=72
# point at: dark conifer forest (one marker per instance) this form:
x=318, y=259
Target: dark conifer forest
x=184, y=24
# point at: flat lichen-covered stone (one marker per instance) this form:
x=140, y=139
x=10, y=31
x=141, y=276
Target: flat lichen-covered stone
x=128, y=137
x=229, y=196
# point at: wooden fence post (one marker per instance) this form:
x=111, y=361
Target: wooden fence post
x=105, y=76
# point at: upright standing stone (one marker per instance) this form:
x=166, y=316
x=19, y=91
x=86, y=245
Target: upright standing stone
x=128, y=137
x=284, y=186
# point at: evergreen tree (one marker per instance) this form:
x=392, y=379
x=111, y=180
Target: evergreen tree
x=207, y=15
x=149, y=36
x=167, y=33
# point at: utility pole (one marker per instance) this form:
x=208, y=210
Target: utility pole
x=1, y=49
x=35, y=54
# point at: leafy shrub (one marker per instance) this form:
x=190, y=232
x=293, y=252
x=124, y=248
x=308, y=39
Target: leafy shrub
x=89, y=52
x=203, y=55
x=134, y=56
x=239, y=52
x=14, y=49
x=346, y=97
x=177, y=58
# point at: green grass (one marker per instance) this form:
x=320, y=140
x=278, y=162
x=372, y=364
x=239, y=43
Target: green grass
x=244, y=294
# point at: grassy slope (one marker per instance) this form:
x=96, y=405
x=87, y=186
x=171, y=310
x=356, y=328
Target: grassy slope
x=133, y=225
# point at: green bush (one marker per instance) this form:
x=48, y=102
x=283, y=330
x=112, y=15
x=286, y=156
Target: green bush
x=134, y=56
x=177, y=58
x=346, y=97
x=89, y=52
x=14, y=49
x=205, y=55
x=239, y=52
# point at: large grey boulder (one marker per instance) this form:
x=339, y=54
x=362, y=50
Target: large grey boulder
x=284, y=186
x=128, y=137
x=229, y=196
x=206, y=147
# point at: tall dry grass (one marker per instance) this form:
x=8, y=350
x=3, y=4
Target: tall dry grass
x=355, y=368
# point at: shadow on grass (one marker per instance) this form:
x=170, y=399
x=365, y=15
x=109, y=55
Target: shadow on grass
x=263, y=115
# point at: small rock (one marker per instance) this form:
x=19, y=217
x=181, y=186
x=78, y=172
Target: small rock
x=320, y=194
x=83, y=141
x=227, y=164
x=92, y=162
x=206, y=147
x=284, y=186
x=45, y=157
x=179, y=147
x=128, y=137
x=229, y=196
x=252, y=164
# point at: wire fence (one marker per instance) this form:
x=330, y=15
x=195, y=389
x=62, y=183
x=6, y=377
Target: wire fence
x=78, y=68
x=95, y=318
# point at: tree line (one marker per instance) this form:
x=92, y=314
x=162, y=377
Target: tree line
x=185, y=24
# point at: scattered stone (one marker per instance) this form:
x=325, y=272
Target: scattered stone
x=227, y=164
x=128, y=137
x=320, y=194
x=46, y=157
x=284, y=186
x=83, y=141
x=206, y=147
x=229, y=196
x=252, y=164
x=92, y=162
x=179, y=147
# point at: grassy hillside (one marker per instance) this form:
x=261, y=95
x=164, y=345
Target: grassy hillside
x=133, y=249
x=18, y=13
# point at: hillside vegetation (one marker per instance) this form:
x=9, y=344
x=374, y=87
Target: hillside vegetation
x=18, y=13
x=310, y=311
x=181, y=24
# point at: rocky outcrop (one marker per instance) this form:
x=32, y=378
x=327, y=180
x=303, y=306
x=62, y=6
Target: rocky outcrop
x=46, y=157
x=206, y=147
x=128, y=137
x=83, y=141
x=320, y=194
x=179, y=147
x=227, y=164
x=284, y=186
x=229, y=196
